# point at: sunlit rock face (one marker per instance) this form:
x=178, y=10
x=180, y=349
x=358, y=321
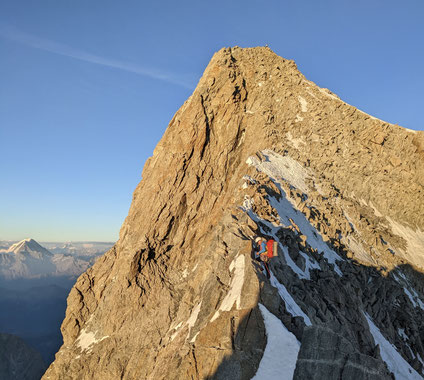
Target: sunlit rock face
x=259, y=150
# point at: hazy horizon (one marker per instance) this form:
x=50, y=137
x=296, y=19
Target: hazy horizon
x=61, y=241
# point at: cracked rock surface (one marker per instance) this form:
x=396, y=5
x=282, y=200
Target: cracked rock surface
x=258, y=149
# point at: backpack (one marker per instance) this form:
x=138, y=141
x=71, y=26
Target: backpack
x=272, y=248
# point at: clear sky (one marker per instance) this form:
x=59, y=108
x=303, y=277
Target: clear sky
x=88, y=87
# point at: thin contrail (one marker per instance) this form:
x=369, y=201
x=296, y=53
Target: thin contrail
x=68, y=51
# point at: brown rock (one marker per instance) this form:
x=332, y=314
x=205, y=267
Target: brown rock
x=177, y=297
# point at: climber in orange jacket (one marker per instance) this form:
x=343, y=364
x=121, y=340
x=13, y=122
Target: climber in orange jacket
x=262, y=255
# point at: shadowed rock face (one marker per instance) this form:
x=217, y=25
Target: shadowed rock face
x=258, y=149
x=18, y=360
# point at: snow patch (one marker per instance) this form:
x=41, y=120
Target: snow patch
x=292, y=307
x=280, y=167
x=303, y=104
x=191, y=321
x=413, y=296
x=282, y=349
x=194, y=337
x=409, y=290
x=288, y=215
x=395, y=362
x=237, y=281
x=178, y=326
x=174, y=335
x=87, y=339
x=401, y=333
x=414, y=239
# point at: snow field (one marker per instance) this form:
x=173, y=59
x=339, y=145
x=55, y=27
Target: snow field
x=395, y=362
x=237, y=281
x=280, y=356
x=279, y=167
x=292, y=307
x=409, y=290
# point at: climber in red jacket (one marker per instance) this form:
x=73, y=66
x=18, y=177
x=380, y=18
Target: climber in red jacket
x=262, y=255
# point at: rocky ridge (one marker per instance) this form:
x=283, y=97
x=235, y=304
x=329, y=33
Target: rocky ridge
x=258, y=149
x=18, y=360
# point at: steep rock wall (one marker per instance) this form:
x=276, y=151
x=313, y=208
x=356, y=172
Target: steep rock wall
x=258, y=149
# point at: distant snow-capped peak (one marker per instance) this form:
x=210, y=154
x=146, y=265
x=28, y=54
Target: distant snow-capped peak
x=29, y=247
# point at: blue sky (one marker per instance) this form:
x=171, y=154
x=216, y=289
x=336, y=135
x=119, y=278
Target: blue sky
x=88, y=88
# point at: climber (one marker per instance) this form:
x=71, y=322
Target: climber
x=262, y=255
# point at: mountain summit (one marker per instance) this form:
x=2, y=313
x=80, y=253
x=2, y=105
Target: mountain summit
x=258, y=150
x=28, y=259
x=29, y=247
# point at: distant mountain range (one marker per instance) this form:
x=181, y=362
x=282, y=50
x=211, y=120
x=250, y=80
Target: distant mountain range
x=35, y=280
x=28, y=259
x=80, y=248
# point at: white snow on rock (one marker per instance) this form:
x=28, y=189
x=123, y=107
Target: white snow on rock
x=191, y=321
x=401, y=332
x=194, y=337
x=234, y=294
x=280, y=356
x=177, y=331
x=310, y=263
x=87, y=339
x=415, y=242
x=409, y=290
x=286, y=212
x=289, y=261
x=395, y=362
x=413, y=296
x=193, y=316
x=292, y=307
x=303, y=104
x=279, y=167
